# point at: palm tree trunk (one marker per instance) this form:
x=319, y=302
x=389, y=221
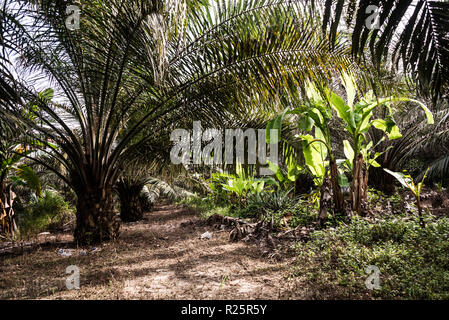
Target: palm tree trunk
x=96, y=220
x=7, y=214
x=3, y=216
x=130, y=206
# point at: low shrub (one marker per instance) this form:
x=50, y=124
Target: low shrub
x=207, y=206
x=49, y=213
x=413, y=261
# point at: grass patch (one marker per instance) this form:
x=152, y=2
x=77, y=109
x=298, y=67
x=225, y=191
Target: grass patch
x=208, y=206
x=413, y=261
x=284, y=213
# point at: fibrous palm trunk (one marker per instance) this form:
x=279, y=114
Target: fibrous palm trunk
x=381, y=180
x=131, y=204
x=96, y=220
x=3, y=215
x=359, y=185
x=7, y=215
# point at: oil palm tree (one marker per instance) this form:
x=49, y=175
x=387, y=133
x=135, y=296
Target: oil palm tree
x=427, y=144
x=433, y=150
x=135, y=65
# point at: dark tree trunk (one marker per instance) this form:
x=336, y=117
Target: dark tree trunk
x=381, y=180
x=336, y=190
x=3, y=216
x=131, y=203
x=145, y=203
x=131, y=207
x=421, y=220
x=96, y=220
x=359, y=185
x=325, y=200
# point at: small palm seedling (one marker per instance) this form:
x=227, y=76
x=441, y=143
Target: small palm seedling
x=407, y=181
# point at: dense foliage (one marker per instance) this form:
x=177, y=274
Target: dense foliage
x=86, y=118
x=413, y=261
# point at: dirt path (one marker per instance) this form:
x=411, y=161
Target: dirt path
x=157, y=258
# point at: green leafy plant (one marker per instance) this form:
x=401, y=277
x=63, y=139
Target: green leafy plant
x=290, y=171
x=358, y=119
x=274, y=201
x=334, y=260
x=314, y=115
x=416, y=188
x=47, y=213
x=240, y=184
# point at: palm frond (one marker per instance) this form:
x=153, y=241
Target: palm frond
x=412, y=33
x=438, y=170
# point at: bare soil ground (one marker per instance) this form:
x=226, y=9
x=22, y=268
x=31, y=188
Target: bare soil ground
x=157, y=258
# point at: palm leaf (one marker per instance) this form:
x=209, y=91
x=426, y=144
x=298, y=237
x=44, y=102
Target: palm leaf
x=412, y=33
x=30, y=178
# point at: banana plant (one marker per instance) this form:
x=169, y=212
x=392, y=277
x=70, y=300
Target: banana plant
x=368, y=152
x=13, y=172
x=358, y=119
x=416, y=188
x=314, y=115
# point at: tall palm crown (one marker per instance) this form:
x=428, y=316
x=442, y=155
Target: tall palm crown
x=134, y=68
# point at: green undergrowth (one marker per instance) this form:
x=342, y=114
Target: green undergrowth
x=49, y=213
x=207, y=206
x=413, y=261
x=283, y=211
